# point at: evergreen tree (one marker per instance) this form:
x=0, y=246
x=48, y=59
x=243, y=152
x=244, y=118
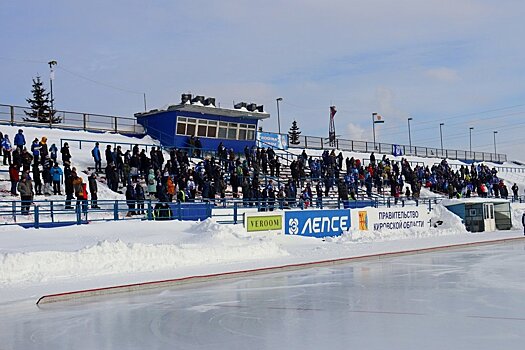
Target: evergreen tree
x=294, y=134
x=40, y=105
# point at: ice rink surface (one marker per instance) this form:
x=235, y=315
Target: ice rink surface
x=459, y=299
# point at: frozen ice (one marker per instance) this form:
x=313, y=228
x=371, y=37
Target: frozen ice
x=456, y=299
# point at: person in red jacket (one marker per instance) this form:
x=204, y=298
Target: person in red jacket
x=14, y=177
x=84, y=198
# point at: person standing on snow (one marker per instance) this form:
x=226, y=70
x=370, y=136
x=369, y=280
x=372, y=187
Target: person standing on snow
x=93, y=189
x=95, y=152
x=56, y=174
x=66, y=155
x=140, y=196
x=515, y=190
x=130, y=199
x=6, y=148
x=25, y=188
x=20, y=140
x=44, y=151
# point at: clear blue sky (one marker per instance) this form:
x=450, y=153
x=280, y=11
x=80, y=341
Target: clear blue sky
x=458, y=62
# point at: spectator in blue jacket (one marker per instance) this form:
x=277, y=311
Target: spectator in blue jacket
x=20, y=139
x=95, y=152
x=6, y=148
x=56, y=173
x=35, y=149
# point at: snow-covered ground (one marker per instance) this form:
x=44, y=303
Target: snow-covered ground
x=46, y=261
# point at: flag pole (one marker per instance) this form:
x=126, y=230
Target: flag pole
x=331, y=127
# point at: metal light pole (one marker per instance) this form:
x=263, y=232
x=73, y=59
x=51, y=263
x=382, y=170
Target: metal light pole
x=51, y=78
x=495, y=132
x=278, y=116
x=409, y=137
x=470, y=136
x=441, y=135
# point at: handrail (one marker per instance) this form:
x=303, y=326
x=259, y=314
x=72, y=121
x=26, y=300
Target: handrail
x=72, y=112
x=92, y=142
x=55, y=212
x=14, y=115
x=313, y=142
x=497, y=167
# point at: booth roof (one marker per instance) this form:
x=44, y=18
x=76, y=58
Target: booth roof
x=199, y=108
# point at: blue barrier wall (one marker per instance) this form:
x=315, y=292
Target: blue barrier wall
x=191, y=211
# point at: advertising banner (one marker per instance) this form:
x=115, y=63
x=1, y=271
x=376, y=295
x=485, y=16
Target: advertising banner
x=317, y=223
x=378, y=219
x=273, y=140
x=397, y=150
x=263, y=222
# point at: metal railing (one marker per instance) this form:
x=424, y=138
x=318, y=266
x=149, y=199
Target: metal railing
x=43, y=213
x=312, y=142
x=505, y=169
x=91, y=143
x=15, y=115
x=204, y=152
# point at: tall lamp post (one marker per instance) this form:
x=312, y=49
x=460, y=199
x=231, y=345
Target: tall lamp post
x=441, y=135
x=495, y=132
x=51, y=78
x=409, y=137
x=278, y=116
x=470, y=137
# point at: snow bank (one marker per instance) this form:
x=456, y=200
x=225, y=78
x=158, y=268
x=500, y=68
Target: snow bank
x=451, y=225
x=211, y=243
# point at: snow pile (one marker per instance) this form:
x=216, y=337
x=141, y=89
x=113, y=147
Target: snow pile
x=517, y=210
x=211, y=243
x=450, y=225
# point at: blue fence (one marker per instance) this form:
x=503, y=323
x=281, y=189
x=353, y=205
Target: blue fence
x=40, y=214
x=60, y=213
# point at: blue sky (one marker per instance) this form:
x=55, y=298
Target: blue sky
x=457, y=62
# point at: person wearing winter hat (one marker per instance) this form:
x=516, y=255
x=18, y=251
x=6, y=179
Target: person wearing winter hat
x=44, y=152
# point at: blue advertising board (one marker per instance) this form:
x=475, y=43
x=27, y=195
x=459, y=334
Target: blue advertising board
x=273, y=140
x=397, y=150
x=317, y=223
x=190, y=211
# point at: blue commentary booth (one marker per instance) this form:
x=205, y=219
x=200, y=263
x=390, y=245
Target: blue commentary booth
x=199, y=117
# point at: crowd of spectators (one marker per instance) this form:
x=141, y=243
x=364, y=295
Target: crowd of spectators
x=256, y=177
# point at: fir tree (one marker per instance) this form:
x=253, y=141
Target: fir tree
x=40, y=105
x=294, y=134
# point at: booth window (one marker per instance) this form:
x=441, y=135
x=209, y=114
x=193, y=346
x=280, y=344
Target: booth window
x=190, y=129
x=214, y=129
x=181, y=128
x=223, y=129
x=201, y=130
